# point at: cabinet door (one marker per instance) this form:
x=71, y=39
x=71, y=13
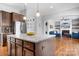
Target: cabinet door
x=3, y=18
x=6, y=18
x=11, y=46
x=14, y=17
x=45, y=48
x=48, y=47
x=0, y=18
x=4, y=40
x=19, y=42
x=20, y=17
x=28, y=45
x=17, y=17
x=40, y=48
x=12, y=49
x=18, y=50
x=27, y=52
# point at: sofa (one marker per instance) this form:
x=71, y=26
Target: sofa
x=54, y=33
x=75, y=35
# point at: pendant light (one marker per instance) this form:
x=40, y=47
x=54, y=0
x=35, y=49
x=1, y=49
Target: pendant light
x=24, y=18
x=37, y=12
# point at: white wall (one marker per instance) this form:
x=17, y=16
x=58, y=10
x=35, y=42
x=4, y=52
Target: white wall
x=39, y=26
x=47, y=28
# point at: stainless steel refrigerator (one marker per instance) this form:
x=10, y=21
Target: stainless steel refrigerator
x=20, y=27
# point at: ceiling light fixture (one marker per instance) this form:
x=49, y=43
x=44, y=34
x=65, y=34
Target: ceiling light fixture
x=24, y=18
x=37, y=12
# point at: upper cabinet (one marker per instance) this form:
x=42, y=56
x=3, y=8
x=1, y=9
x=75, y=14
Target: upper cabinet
x=0, y=18
x=16, y=17
x=5, y=18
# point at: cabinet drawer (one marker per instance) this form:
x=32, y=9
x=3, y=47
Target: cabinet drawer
x=18, y=42
x=28, y=45
x=27, y=52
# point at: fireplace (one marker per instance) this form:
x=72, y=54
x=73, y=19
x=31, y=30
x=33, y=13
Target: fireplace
x=65, y=33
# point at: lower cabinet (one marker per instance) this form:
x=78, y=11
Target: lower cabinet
x=27, y=52
x=24, y=48
x=20, y=48
x=45, y=48
x=12, y=51
x=4, y=40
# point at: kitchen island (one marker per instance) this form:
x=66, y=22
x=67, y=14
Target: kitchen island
x=24, y=45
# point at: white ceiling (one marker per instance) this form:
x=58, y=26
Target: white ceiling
x=44, y=8
x=18, y=6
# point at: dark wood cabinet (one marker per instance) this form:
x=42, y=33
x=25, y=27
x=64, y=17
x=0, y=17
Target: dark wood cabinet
x=13, y=49
x=27, y=52
x=28, y=45
x=5, y=23
x=16, y=17
x=0, y=18
x=18, y=50
x=4, y=40
x=6, y=18
x=20, y=47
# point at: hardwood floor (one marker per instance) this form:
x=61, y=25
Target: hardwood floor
x=67, y=47
x=3, y=51
x=64, y=47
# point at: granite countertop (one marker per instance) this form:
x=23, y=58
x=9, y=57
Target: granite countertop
x=34, y=38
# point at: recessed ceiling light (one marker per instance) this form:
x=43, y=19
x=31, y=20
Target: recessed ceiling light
x=51, y=6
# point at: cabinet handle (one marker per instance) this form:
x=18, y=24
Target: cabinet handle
x=24, y=52
x=43, y=47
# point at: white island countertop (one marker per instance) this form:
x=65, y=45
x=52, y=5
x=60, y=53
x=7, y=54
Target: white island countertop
x=34, y=38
